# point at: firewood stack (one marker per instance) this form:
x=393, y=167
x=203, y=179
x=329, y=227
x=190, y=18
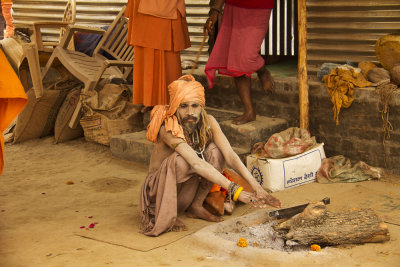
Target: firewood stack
x=316, y=225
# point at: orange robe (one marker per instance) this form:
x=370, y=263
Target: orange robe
x=7, y=15
x=157, y=44
x=12, y=99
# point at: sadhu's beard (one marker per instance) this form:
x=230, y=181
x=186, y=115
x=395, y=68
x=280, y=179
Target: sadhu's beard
x=199, y=124
x=190, y=123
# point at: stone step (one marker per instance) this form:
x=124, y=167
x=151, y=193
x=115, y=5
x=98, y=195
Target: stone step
x=135, y=146
x=244, y=136
x=132, y=146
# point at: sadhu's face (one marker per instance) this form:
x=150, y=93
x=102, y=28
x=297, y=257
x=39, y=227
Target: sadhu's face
x=189, y=113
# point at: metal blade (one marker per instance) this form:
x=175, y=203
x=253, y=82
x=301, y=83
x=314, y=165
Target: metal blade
x=289, y=212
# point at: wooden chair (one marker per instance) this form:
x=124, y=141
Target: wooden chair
x=38, y=51
x=69, y=18
x=90, y=69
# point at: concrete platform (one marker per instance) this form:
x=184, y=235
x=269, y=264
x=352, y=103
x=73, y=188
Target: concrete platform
x=244, y=136
x=135, y=146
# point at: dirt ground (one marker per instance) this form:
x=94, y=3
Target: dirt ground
x=48, y=191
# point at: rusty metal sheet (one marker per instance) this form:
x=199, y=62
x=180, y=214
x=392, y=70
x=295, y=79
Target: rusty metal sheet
x=342, y=30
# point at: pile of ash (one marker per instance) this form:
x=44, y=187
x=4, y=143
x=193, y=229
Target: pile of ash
x=260, y=236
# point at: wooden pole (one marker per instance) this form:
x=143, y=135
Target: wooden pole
x=302, y=64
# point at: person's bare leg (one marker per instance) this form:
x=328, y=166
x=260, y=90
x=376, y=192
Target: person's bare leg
x=196, y=210
x=243, y=87
x=267, y=82
x=186, y=192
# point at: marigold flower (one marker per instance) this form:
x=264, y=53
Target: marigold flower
x=242, y=242
x=315, y=247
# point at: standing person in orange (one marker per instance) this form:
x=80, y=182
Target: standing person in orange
x=158, y=31
x=12, y=99
x=5, y=12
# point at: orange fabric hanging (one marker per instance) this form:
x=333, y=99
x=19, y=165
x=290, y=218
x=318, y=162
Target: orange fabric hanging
x=162, y=8
x=157, y=44
x=154, y=32
x=154, y=70
x=12, y=99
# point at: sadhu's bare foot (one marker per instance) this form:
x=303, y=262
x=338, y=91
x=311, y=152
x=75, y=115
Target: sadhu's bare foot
x=267, y=82
x=179, y=226
x=244, y=118
x=202, y=213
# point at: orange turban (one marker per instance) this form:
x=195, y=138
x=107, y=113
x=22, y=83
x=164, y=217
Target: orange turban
x=185, y=89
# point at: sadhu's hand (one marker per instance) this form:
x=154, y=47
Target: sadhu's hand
x=263, y=195
x=211, y=21
x=251, y=199
x=259, y=201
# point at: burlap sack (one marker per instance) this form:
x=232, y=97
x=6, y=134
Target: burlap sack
x=39, y=115
x=62, y=132
x=395, y=74
x=290, y=142
x=99, y=128
x=13, y=51
x=379, y=76
x=108, y=113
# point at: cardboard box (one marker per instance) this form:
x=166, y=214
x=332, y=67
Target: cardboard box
x=279, y=174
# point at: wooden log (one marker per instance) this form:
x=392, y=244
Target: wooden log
x=302, y=64
x=316, y=225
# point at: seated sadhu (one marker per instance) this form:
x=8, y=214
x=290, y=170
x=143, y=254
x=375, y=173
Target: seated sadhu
x=189, y=154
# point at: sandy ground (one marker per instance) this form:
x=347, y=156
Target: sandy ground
x=48, y=191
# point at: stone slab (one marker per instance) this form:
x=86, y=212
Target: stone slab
x=132, y=146
x=245, y=135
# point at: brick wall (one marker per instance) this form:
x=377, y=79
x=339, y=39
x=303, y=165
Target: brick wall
x=358, y=136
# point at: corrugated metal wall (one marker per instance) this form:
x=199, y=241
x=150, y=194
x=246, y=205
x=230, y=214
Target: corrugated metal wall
x=341, y=30
x=282, y=36
x=196, y=16
x=337, y=30
x=89, y=12
x=102, y=12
